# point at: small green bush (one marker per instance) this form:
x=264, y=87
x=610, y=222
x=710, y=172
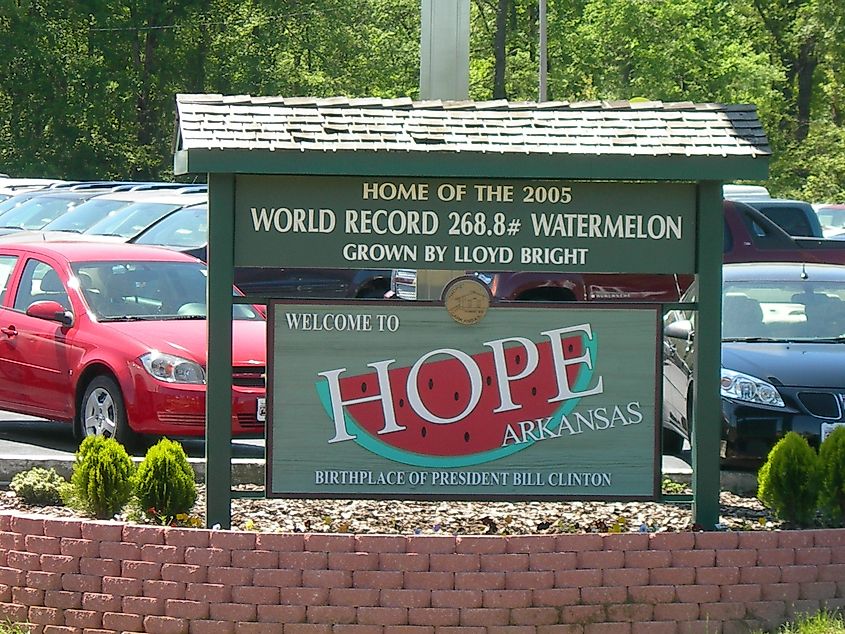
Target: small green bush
x=165, y=482
x=832, y=489
x=788, y=482
x=39, y=486
x=101, y=482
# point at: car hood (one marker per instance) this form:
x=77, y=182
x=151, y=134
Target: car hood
x=790, y=364
x=187, y=338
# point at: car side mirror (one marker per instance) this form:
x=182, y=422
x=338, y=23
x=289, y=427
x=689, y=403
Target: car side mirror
x=50, y=311
x=681, y=329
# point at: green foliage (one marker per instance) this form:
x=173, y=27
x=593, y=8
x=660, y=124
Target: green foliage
x=39, y=486
x=165, y=482
x=101, y=482
x=832, y=490
x=788, y=482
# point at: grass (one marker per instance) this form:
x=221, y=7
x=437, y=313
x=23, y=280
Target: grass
x=821, y=623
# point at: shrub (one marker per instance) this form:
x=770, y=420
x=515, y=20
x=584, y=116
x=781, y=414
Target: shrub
x=165, y=482
x=38, y=486
x=832, y=489
x=101, y=482
x=788, y=481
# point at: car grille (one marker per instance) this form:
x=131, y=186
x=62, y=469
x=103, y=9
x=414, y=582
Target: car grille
x=250, y=421
x=821, y=404
x=182, y=418
x=249, y=376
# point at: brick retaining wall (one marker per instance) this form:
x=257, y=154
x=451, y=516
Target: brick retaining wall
x=93, y=577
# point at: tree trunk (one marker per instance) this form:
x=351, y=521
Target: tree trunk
x=499, y=48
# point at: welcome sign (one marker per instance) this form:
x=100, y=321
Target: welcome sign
x=395, y=400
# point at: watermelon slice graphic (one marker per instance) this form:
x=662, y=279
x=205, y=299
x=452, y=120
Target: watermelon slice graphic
x=444, y=387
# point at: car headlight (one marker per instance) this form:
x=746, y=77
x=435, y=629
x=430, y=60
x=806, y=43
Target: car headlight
x=743, y=387
x=173, y=369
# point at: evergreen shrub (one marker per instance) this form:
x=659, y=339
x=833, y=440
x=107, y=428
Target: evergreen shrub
x=39, y=486
x=165, y=482
x=788, y=482
x=101, y=481
x=832, y=489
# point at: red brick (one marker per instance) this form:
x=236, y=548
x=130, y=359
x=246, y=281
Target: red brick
x=382, y=616
x=484, y=617
x=82, y=583
x=353, y=561
x=232, y=540
x=44, y=580
x=391, y=598
x=80, y=548
x=99, y=567
x=379, y=578
x=183, y=609
x=578, y=542
x=212, y=627
x=40, y=615
x=759, y=574
x=59, y=563
x=803, y=607
x=726, y=575
x=795, y=539
x=776, y=556
x=506, y=598
x=208, y=556
x=625, y=576
x=39, y=544
x=648, y=559
x=739, y=557
x=12, y=576
x=832, y=572
x=139, y=534
x=431, y=544
x=561, y=628
x=437, y=617
x=165, y=625
x=812, y=556
x=22, y=560
x=102, y=602
x=552, y=561
x=529, y=580
x=654, y=627
x=817, y=590
x=672, y=541
x=62, y=599
x=514, y=629
x=277, y=578
x=781, y=592
x=259, y=595
x=61, y=527
x=123, y=586
x=722, y=611
x=102, y=531
x=756, y=540
x=582, y=614
x=321, y=542
x=163, y=554
x=304, y=560
x=280, y=542
x=143, y=605
x=456, y=599
x=651, y=594
x=210, y=592
x=184, y=572
x=27, y=525
x=700, y=627
x=479, y=581
x=601, y=559
x=798, y=574
x=330, y=614
x=693, y=558
x=510, y=562
x=303, y=596
x=364, y=629
x=12, y=612
x=829, y=537
x=59, y=629
x=577, y=578
x=837, y=555
x=534, y=616
x=192, y=537
x=354, y=596
x=119, y=551
x=532, y=544
x=557, y=597
x=627, y=541
x=454, y=562
x=604, y=595
x=327, y=578
x=630, y=613
x=229, y=576
x=403, y=561
x=743, y=593
x=381, y=544
x=698, y=593
x=433, y=580
x=394, y=629
x=282, y=613
x=676, y=612
x=164, y=589
x=119, y=622
x=141, y=569
x=710, y=540
x=771, y=613
x=28, y=596
x=481, y=544
x=607, y=628
x=232, y=611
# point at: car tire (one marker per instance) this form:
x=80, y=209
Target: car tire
x=103, y=413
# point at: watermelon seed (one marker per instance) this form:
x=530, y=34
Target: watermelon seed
x=533, y=391
x=516, y=359
x=423, y=432
x=431, y=384
x=457, y=396
x=363, y=387
x=571, y=348
x=489, y=380
x=401, y=402
x=466, y=436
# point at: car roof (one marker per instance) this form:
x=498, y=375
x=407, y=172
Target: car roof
x=782, y=271
x=79, y=251
x=158, y=196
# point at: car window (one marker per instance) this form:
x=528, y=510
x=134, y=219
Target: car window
x=40, y=282
x=793, y=219
x=7, y=265
x=37, y=212
x=131, y=219
x=186, y=228
x=85, y=215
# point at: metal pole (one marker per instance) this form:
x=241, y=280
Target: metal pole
x=543, y=50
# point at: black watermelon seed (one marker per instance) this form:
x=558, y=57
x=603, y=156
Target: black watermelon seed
x=489, y=380
x=401, y=402
x=466, y=436
x=423, y=432
x=457, y=396
x=431, y=384
x=571, y=348
x=533, y=391
x=516, y=359
x=363, y=387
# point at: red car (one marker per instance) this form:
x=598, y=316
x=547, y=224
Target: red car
x=112, y=338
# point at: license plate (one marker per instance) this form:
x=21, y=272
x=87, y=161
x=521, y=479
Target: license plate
x=827, y=428
x=261, y=412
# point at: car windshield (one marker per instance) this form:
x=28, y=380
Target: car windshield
x=126, y=291
x=805, y=311
x=85, y=215
x=131, y=219
x=37, y=212
x=186, y=228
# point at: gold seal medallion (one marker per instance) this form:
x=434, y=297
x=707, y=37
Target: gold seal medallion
x=466, y=300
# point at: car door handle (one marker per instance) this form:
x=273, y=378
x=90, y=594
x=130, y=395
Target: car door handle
x=9, y=331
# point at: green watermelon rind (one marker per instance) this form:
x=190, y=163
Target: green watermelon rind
x=371, y=443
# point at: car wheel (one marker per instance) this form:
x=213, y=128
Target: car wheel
x=102, y=412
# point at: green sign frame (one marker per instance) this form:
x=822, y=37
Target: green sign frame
x=547, y=401
x=465, y=224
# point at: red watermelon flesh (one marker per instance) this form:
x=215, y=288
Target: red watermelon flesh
x=444, y=389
